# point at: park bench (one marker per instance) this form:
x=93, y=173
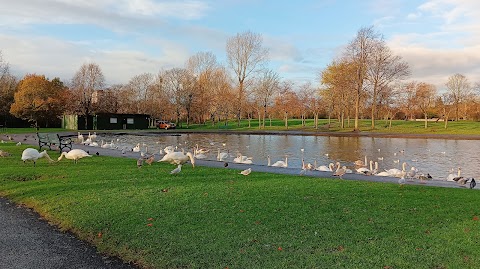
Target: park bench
x=51, y=141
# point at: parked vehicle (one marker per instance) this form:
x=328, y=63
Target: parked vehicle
x=163, y=124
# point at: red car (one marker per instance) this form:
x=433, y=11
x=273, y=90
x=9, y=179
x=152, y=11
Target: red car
x=162, y=124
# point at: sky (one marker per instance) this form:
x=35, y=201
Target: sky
x=438, y=38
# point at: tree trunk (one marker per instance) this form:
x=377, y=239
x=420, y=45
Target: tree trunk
x=286, y=119
x=446, y=121
x=426, y=122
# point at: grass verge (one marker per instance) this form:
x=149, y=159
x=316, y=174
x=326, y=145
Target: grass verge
x=216, y=218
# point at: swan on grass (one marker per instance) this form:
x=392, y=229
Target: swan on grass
x=31, y=154
x=178, y=158
x=74, y=154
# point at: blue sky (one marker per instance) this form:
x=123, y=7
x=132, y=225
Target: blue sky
x=438, y=38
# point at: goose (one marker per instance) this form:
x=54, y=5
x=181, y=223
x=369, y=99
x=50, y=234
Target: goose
x=246, y=172
x=31, y=154
x=325, y=168
x=279, y=163
x=222, y=156
x=74, y=154
x=176, y=170
x=340, y=171
x=178, y=158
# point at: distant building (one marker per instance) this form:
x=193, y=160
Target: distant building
x=107, y=121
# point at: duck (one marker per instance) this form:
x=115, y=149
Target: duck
x=279, y=163
x=178, y=158
x=31, y=154
x=74, y=154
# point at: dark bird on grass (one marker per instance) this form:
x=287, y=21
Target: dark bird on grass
x=473, y=183
x=225, y=164
x=150, y=159
x=140, y=163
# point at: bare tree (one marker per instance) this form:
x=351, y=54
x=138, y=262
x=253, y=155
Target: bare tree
x=8, y=84
x=359, y=53
x=265, y=88
x=245, y=55
x=424, y=98
x=383, y=68
x=140, y=86
x=459, y=89
x=179, y=85
x=86, y=80
x=203, y=66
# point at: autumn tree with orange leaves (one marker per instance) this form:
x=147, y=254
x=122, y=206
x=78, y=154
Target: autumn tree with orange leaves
x=38, y=99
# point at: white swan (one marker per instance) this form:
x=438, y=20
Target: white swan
x=178, y=158
x=80, y=138
x=201, y=151
x=74, y=154
x=199, y=155
x=325, y=168
x=31, y=154
x=222, y=156
x=452, y=176
x=242, y=159
x=365, y=170
x=279, y=163
x=93, y=136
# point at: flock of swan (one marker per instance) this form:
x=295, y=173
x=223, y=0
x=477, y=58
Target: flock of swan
x=178, y=157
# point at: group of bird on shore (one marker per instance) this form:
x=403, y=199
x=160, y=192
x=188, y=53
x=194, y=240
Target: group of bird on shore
x=178, y=157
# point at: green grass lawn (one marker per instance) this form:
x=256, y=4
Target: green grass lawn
x=398, y=126
x=216, y=218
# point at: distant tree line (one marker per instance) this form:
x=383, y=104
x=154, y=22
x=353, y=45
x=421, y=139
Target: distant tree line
x=365, y=81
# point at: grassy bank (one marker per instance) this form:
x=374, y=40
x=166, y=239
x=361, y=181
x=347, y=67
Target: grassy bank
x=398, y=126
x=216, y=218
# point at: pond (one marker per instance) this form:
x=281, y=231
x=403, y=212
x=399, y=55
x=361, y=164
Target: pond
x=434, y=156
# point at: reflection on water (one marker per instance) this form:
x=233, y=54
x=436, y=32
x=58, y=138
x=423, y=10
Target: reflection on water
x=434, y=156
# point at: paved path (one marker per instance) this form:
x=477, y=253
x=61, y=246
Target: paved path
x=27, y=241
